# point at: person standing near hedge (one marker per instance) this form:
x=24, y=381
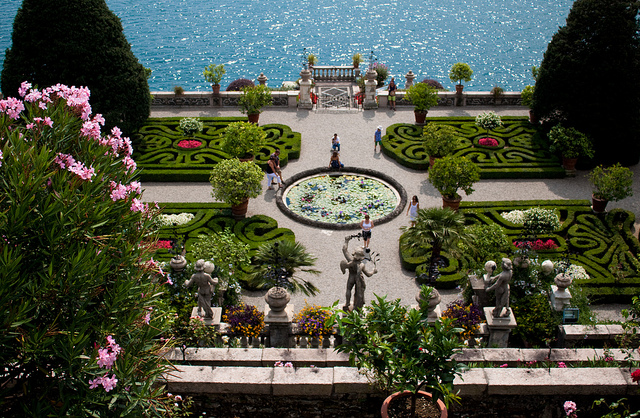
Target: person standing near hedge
x=272, y=174
x=412, y=210
x=377, y=139
x=276, y=157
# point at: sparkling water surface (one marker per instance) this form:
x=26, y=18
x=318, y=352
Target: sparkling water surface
x=499, y=39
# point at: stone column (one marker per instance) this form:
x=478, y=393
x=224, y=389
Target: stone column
x=410, y=77
x=305, y=90
x=278, y=316
x=560, y=296
x=499, y=328
x=370, y=90
x=262, y=79
x=479, y=297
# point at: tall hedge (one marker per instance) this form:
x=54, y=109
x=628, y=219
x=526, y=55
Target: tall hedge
x=589, y=77
x=79, y=43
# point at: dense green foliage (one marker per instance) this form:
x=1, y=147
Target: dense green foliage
x=611, y=183
x=452, y=173
x=593, y=60
x=422, y=96
x=439, y=140
x=78, y=43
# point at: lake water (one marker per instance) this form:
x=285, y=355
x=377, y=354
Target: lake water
x=499, y=39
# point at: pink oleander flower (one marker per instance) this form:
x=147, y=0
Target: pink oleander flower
x=504, y=365
x=24, y=87
x=108, y=383
x=288, y=364
x=147, y=318
x=570, y=408
x=1, y=156
x=137, y=206
x=562, y=365
x=94, y=383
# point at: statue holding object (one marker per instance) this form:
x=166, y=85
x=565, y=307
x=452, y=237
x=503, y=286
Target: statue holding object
x=206, y=287
x=357, y=270
x=501, y=287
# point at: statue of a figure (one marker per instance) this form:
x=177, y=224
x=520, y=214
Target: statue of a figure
x=206, y=287
x=501, y=286
x=357, y=270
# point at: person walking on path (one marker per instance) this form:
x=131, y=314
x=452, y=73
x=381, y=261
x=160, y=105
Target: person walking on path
x=377, y=139
x=276, y=157
x=392, y=94
x=335, y=143
x=412, y=210
x=272, y=175
x=367, y=226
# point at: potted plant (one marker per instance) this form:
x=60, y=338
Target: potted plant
x=213, y=74
x=423, y=97
x=189, y=126
x=235, y=182
x=453, y=173
x=357, y=59
x=459, y=72
x=313, y=321
x=400, y=352
x=312, y=60
x=243, y=139
x=497, y=92
x=527, y=96
x=244, y=320
x=252, y=101
x=487, y=121
x=610, y=184
x=571, y=144
x=382, y=73
x=439, y=141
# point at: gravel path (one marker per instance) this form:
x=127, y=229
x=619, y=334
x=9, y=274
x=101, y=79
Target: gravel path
x=356, y=129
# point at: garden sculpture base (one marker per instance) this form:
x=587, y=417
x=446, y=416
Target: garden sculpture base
x=499, y=328
x=217, y=314
x=559, y=298
x=279, y=326
x=479, y=297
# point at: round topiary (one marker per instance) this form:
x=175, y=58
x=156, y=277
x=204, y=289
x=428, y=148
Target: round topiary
x=238, y=84
x=433, y=83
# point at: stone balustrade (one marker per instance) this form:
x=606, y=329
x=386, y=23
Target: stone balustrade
x=335, y=73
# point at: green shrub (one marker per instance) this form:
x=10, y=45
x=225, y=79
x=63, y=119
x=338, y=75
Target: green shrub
x=570, y=142
x=439, y=140
x=485, y=242
x=537, y=323
x=233, y=181
x=242, y=139
x=540, y=221
x=612, y=183
x=452, y=173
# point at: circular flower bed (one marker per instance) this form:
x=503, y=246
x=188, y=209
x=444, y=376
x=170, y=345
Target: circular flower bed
x=489, y=143
x=189, y=143
x=340, y=199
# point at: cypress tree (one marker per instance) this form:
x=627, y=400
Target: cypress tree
x=589, y=77
x=80, y=43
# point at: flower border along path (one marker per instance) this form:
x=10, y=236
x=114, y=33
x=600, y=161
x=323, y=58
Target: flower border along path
x=157, y=153
x=600, y=243
x=519, y=155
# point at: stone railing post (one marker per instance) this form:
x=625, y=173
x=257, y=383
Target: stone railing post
x=410, y=76
x=279, y=316
x=305, y=90
x=370, y=90
x=262, y=79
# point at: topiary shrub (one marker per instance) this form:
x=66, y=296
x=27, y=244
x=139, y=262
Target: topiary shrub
x=433, y=83
x=238, y=84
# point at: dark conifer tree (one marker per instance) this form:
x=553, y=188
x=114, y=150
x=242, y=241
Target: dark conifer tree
x=80, y=43
x=589, y=77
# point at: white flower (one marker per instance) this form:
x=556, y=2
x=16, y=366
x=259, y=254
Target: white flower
x=576, y=272
x=175, y=219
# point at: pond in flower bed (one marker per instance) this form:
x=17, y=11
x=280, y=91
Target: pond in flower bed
x=341, y=199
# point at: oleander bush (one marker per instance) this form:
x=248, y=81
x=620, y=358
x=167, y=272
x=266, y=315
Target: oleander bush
x=162, y=156
x=521, y=153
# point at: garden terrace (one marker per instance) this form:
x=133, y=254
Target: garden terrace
x=601, y=243
x=162, y=157
x=520, y=153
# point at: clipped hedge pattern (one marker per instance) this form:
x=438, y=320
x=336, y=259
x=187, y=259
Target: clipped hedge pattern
x=519, y=155
x=157, y=154
x=600, y=243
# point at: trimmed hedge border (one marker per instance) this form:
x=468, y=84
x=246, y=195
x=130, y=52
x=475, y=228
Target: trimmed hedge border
x=345, y=171
x=522, y=157
x=161, y=160
x=598, y=242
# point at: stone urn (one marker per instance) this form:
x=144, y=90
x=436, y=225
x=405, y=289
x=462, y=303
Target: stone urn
x=178, y=263
x=562, y=281
x=521, y=262
x=277, y=299
x=432, y=303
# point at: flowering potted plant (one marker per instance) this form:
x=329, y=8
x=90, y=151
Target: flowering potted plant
x=439, y=141
x=459, y=72
x=382, y=73
x=399, y=352
x=571, y=144
x=253, y=99
x=213, y=74
x=423, y=97
x=453, y=173
x=235, y=182
x=189, y=126
x=244, y=320
x=497, y=92
x=357, y=59
x=314, y=321
x=243, y=140
x=610, y=184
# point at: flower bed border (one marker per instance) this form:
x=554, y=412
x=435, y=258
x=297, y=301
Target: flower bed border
x=345, y=171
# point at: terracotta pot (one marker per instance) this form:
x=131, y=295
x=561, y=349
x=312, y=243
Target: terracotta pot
x=246, y=158
x=384, y=411
x=569, y=164
x=420, y=116
x=240, y=211
x=216, y=88
x=432, y=161
x=598, y=205
x=459, y=88
x=254, y=117
x=533, y=118
x=453, y=204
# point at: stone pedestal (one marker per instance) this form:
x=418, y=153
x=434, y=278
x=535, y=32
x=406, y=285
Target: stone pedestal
x=560, y=298
x=217, y=314
x=305, y=90
x=479, y=297
x=279, y=326
x=370, y=90
x=262, y=79
x=499, y=328
x=410, y=76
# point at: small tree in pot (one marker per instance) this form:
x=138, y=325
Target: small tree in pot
x=235, y=182
x=571, y=144
x=439, y=141
x=459, y=72
x=610, y=184
x=213, y=74
x=252, y=101
x=423, y=97
x=243, y=139
x=453, y=173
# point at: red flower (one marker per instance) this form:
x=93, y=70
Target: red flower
x=488, y=142
x=635, y=376
x=189, y=143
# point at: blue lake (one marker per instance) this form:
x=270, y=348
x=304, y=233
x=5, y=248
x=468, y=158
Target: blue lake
x=499, y=39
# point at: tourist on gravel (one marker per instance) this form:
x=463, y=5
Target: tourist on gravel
x=335, y=143
x=272, y=174
x=392, y=94
x=412, y=210
x=377, y=139
x=334, y=162
x=367, y=226
x=276, y=156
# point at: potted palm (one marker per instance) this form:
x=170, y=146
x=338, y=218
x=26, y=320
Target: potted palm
x=571, y=144
x=399, y=352
x=453, y=173
x=527, y=100
x=423, y=97
x=213, y=74
x=253, y=99
x=235, y=182
x=439, y=141
x=357, y=59
x=460, y=71
x=312, y=60
x=610, y=184
x=243, y=139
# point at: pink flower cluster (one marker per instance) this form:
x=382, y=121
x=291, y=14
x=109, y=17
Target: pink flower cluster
x=537, y=244
x=488, y=142
x=163, y=243
x=12, y=107
x=106, y=359
x=108, y=383
x=281, y=364
x=39, y=122
x=1, y=158
x=189, y=143
x=120, y=191
x=66, y=161
x=570, y=409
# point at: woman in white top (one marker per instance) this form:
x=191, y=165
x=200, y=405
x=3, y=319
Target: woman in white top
x=412, y=210
x=366, y=226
